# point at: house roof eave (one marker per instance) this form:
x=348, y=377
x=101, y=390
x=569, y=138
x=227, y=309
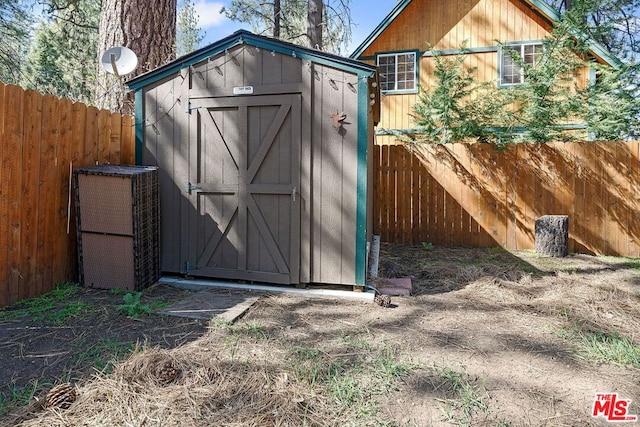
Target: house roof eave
x=595, y=48
x=380, y=28
x=545, y=10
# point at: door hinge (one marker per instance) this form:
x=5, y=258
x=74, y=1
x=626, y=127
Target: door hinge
x=189, y=107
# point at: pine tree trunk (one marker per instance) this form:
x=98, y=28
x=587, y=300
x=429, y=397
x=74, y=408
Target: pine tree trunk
x=150, y=31
x=277, y=10
x=314, y=23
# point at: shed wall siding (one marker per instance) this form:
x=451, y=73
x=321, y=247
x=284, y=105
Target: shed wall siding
x=166, y=128
x=328, y=155
x=334, y=176
x=246, y=66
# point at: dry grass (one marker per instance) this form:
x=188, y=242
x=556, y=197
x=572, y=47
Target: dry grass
x=193, y=385
x=489, y=321
x=590, y=304
x=234, y=375
x=585, y=290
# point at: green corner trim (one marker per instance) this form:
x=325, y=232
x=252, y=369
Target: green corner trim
x=380, y=28
x=139, y=124
x=361, y=198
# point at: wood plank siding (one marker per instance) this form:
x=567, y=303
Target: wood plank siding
x=472, y=195
x=42, y=137
x=324, y=180
x=426, y=26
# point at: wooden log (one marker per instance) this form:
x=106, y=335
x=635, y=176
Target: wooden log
x=552, y=235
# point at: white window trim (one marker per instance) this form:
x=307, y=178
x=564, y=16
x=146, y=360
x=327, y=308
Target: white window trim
x=501, y=61
x=415, y=71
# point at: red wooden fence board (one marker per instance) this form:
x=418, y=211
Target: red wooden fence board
x=474, y=195
x=41, y=136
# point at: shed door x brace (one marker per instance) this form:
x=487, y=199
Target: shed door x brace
x=244, y=189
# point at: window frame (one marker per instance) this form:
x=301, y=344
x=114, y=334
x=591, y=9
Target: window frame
x=513, y=46
x=415, y=54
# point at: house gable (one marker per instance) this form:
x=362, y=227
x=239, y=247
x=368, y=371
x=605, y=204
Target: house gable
x=478, y=28
x=478, y=24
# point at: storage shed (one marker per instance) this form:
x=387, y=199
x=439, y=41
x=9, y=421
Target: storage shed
x=263, y=149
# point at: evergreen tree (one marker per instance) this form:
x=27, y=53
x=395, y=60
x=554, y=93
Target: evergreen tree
x=447, y=112
x=150, y=32
x=613, y=23
x=616, y=25
x=62, y=58
x=459, y=108
x=15, y=24
x=315, y=12
x=548, y=100
x=290, y=20
x=40, y=71
x=188, y=34
x=612, y=106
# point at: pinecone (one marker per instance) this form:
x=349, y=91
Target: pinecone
x=382, y=300
x=167, y=373
x=61, y=396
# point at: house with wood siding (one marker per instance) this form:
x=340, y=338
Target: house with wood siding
x=403, y=46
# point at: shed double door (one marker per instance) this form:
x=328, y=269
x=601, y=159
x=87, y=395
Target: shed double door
x=244, y=189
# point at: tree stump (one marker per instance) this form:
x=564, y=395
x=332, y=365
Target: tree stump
x=552, y=235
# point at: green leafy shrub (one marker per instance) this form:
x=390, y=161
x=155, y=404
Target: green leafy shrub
x=132, y=305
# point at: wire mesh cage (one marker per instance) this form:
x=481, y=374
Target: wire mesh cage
x=118, y=223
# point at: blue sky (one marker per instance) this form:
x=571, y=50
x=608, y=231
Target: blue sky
x=366, y=15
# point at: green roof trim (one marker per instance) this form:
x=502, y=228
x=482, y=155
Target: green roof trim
x=539, y=6
x=553, y=16
x=241, y=37
x=397, y=10
x=516, y=129
x=547, y=11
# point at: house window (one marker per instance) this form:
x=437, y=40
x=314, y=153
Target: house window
x=397, y=72
x=511, y=73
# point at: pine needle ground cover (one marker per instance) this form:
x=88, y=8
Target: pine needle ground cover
x=489, y=337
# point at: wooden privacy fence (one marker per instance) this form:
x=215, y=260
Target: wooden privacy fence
x=473, y=195
x=42, y=137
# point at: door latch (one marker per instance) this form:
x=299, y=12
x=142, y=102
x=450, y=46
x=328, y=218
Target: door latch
x=294, y=191
x=189, y=187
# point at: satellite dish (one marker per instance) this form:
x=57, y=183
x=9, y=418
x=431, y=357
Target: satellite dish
x=119, y=60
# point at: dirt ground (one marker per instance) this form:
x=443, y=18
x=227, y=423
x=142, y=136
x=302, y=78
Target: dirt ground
x=494, y=338
x=37, y=351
